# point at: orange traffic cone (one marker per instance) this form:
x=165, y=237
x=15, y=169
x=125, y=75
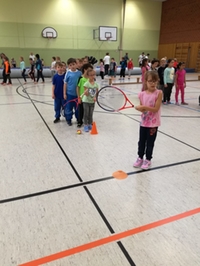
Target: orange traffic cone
x=94, y=129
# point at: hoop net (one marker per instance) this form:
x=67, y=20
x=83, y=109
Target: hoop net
x=108, y=39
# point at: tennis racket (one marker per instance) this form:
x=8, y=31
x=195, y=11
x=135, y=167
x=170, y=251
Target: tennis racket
x=75, y=103
x=65, y=111
x=112, y=99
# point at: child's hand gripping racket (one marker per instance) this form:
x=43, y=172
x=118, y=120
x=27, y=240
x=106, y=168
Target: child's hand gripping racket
x=112, y=99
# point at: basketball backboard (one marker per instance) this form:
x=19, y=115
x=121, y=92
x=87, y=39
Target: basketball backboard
x=49, y=32
x=107, y=33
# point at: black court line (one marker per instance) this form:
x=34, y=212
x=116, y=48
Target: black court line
x=84, y=183
x=124, y=251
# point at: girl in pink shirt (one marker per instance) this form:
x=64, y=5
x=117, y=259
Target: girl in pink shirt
x=150, y=102
x=144, y=68
x=180, y=83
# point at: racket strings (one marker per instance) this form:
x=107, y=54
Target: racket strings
x=111, y=99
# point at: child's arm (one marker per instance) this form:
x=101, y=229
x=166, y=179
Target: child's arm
x=184, y=81
x=143, y=108
x=175, y=81
x=53, y=89
x=165, y=77
x=65, y=91
x=86, y=91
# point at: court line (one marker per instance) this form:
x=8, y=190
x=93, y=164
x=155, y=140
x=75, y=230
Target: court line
x=103, y=217
x=40, y=193
x=110, y=239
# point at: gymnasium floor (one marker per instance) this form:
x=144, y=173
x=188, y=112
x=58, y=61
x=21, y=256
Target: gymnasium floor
x=60, y=204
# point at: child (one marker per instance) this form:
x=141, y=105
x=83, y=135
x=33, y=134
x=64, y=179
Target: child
x=6, y=71
x=80, y=91
x=130, y=67
x=123, y=68
x=144, y=69
x=53, y=67
x=31, y=72
x=69, y=89
x=168, y=81
x=102, y=70
x=90, y=90
x=13, y=63
x=79, y=63
x=23, y=68
x=112, y=68
x=161, y=70
x=57, y=90
x=150, y=101
x=64, y=67
x=154, y=64
x=39, y=68
x=180, y=82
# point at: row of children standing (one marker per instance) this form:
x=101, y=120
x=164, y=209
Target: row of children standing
x=73, y=85
x=168, y=76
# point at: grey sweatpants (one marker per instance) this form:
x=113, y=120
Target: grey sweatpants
x=88, y=113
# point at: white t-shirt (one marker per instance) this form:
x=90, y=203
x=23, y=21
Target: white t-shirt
x=32, y=56
x=141, y=57
x=53, y=65
x=106, y=60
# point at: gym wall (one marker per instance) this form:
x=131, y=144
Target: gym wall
x=180, y=31
x=21, y=24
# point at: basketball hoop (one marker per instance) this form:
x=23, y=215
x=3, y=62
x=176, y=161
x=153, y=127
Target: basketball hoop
x=108, y=39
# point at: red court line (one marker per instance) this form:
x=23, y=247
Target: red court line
x=109, y=239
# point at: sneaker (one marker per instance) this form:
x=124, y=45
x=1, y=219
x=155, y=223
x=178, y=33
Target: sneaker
x=146, y=165
x=184, y=103
x=86, y=129
x=138, y=162
x=69, y=123
x=57, y=120
x=164, y=103
x=177, y=103
x=90, y=127
x=79, y=124
x=168, y=102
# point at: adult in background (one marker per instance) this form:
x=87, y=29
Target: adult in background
x=140, y=58
x=32, y=56
x=106, y=63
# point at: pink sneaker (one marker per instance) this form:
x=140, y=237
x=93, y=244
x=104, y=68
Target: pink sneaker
x=138, y=162
x=146, y=165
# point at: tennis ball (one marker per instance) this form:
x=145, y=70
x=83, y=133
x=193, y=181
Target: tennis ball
x=78, y=132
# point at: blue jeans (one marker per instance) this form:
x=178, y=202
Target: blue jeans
x=57, y=106
x=71, y=107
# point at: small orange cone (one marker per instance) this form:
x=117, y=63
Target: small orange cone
x=94, y=129
x=120, y=174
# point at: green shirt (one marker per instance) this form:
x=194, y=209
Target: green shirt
x=80, y=85
x=92, y=89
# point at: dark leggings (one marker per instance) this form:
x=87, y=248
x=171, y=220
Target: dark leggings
x=7, y=77
x=146, y=141
x=168, y=92
x=40, y=75
x=23, y=74
x=122, y=72
x=102, y=74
